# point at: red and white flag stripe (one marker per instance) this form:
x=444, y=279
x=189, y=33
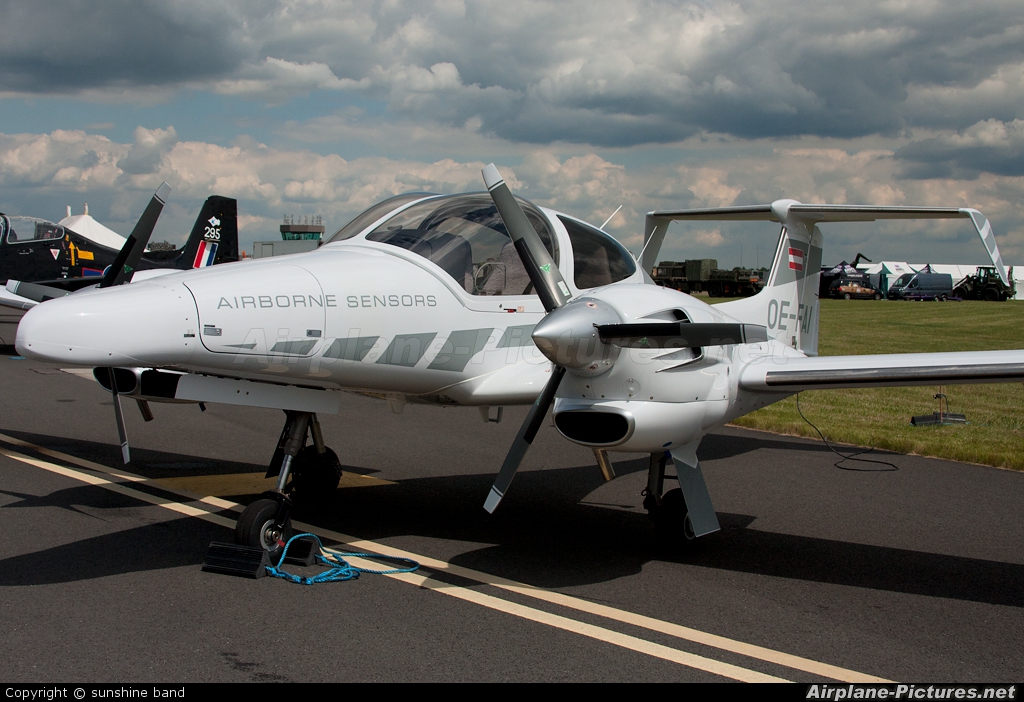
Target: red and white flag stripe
x=796, y=259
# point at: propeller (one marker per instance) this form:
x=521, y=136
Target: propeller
x=120, y=272
x=553, y=293
x=127, y=259
x=584, y=335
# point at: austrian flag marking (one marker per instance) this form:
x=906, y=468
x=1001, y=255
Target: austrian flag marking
x=796, y=259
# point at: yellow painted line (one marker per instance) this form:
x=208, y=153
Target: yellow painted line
x=638, y=620
x=252, y=483
x=178, y=507
x=633, y=643
x=85, y=373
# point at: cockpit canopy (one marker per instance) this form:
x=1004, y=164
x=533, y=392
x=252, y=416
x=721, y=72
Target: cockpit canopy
x=465, y=236
x=20, y=230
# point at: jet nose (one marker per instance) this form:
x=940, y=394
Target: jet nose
x=142, y=324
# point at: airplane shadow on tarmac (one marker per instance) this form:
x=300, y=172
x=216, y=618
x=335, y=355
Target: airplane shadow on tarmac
x=545, y=536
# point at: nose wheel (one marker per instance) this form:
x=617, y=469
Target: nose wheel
x=314, y=471
x=258, y=527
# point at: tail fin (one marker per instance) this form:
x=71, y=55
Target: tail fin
x=788, y=304
x=214, y=238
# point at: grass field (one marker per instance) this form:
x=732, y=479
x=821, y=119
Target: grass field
x=880, y=417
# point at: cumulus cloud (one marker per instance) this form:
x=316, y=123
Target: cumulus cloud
x=990, y=146
x=600, y=72
x=40, y=173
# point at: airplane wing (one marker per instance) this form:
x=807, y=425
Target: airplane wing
x=793, y=374
x=657, y=221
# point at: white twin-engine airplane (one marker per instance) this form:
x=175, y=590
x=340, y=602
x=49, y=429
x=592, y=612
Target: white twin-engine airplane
x=486, y=300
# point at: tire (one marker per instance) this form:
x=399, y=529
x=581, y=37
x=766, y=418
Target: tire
x=878, y=296
x=315, y=477
x=991, y=294
x=672, y=522
x=942, y=298
x=255, y=528
x=846, y=296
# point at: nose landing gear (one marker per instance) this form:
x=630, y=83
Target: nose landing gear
x=314, y=471
x=671, y=517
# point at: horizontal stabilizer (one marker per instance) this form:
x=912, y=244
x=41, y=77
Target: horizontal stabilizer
x=793, y=374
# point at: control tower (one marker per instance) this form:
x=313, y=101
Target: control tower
x=298, y=234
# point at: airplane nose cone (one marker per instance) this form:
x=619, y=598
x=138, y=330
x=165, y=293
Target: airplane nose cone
x=142, y=324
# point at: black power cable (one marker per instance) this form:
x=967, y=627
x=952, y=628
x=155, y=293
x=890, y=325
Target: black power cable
x=851, y=457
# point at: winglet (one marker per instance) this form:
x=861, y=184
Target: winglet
x=988, y=238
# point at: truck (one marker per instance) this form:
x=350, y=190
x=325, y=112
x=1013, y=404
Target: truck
x=985, y=284
x=704, y=275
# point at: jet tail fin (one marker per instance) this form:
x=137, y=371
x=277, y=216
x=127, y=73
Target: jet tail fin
x=214, y=238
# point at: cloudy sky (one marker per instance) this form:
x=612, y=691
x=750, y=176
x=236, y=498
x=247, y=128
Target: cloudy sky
x=323, y=108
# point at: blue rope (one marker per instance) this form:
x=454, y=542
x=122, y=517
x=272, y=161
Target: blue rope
x=338, y=568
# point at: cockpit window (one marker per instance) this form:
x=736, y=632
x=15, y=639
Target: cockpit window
x=368, y=217
x=465, y=235
x=597, y=258
x=20, y=230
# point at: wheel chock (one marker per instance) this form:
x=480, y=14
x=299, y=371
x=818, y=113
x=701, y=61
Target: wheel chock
x=233, y=559
x=302, y=552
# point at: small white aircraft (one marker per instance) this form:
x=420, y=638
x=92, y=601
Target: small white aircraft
x=485, y=300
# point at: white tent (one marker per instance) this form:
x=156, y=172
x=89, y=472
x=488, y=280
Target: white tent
x=92, y=230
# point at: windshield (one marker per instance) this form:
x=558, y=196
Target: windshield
x=904, y=279
x=465, y=235
x=368, y=217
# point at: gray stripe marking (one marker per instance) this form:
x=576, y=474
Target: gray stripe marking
x=353, y=348
x=407, y=349
x=299, y=348
x=516, y=336
x=459, y=347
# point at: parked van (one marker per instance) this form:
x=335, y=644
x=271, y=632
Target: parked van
x=922, y=286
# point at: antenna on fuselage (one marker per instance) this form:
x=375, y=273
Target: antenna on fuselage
x=610, y=218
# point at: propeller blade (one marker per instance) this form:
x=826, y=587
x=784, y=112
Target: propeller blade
x=680, y=334
x=543, y=272
x=128, y=257
x=527, y=433
x=119, y=416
